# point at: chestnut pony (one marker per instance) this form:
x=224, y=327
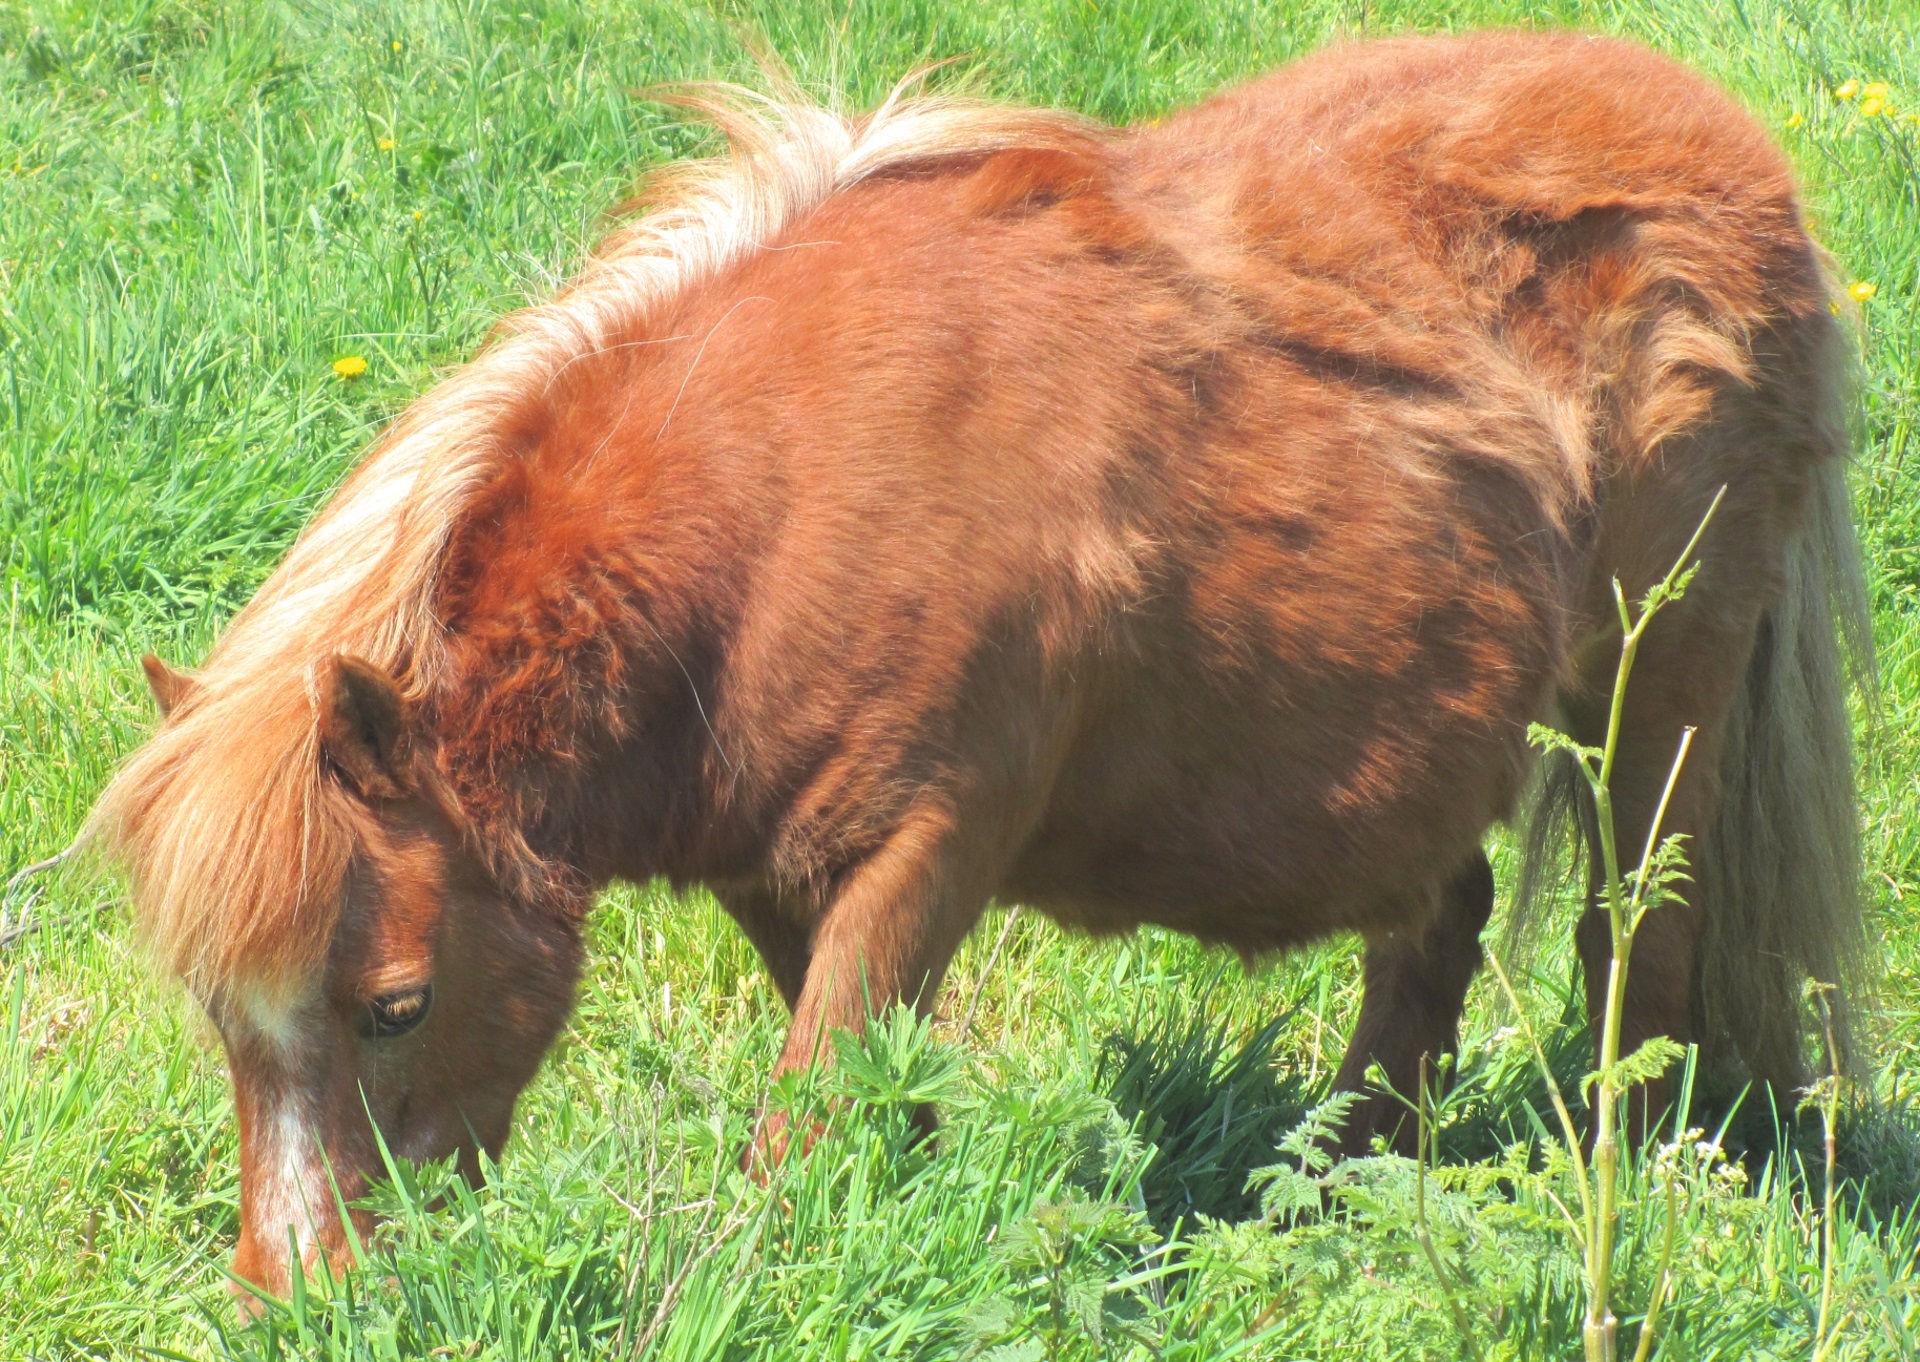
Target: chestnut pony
x=1179, y=525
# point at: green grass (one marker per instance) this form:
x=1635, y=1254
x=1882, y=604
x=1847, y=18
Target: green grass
x=200, y=211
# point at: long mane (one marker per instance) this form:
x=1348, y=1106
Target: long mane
x=221, y=820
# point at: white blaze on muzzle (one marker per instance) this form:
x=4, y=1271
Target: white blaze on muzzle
x=294, y=1192
x=289, y=1197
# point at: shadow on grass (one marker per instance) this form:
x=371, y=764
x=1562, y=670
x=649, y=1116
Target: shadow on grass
x=1214, y=1102
x=1877, y=1145
x=1214, y=1107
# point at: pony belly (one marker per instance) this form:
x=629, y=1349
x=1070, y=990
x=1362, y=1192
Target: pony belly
x=1266, y=852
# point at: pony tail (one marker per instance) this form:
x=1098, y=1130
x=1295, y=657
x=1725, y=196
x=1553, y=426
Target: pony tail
x=1779, y=871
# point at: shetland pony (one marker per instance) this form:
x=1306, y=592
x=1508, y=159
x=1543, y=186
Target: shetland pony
x=1179, y=525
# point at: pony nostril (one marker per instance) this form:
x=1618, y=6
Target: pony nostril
x=395, y=1014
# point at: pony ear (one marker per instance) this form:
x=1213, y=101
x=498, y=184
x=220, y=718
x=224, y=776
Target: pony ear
x=170, y=688
x=364, y=727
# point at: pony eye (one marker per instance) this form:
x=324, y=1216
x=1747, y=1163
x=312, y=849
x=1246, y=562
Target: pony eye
x=398, y=1013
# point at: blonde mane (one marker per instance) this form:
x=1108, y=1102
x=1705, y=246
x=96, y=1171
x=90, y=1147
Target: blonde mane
x=220, y=819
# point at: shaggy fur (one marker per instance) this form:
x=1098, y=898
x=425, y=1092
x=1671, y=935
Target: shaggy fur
x=1179, y=526
x=220, y=819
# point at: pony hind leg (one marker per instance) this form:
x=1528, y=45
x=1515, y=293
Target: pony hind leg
x=1416, y=983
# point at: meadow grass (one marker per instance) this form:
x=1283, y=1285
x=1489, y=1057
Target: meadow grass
x=203, y=206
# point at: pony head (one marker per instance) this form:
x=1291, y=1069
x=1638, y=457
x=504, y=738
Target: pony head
x=435, y=998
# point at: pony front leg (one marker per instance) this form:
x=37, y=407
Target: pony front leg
x=886, y=938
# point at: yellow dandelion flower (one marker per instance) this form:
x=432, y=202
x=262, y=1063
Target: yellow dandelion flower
x=418, y=215
x=1862, y=291
x=396, y=44
x=350, y=366
x=1847, y=90
x=1871, y=105
x=1794, y=120
x=1875, y=90
x=386, y=144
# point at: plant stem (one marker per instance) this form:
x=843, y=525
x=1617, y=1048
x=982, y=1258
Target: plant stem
x=1569, y=1133
x=1663, y=1279
x=1829, y=1113
x=1599, y=1332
